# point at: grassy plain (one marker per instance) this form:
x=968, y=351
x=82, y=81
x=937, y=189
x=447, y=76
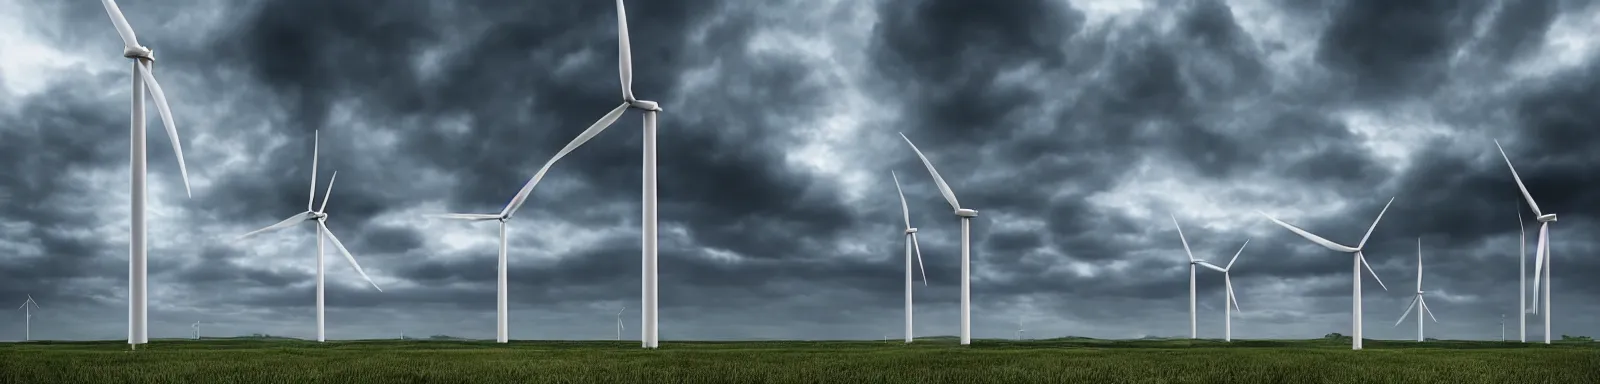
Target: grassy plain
x=933, y=360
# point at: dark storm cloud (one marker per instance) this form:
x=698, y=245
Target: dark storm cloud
x=1063, y=131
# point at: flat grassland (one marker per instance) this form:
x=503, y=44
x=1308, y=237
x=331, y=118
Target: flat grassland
x=932, y=360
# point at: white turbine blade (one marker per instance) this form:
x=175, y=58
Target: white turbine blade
x=1419, y=263
x=289, y=222
x=316, y=143
x=599, y=126
x=1236, y=255
x=1540, y=250
x=1375, y=224
x=1370, y=271
x=1212, y=266
x=1235, y=299
x=918, y=250
x=903, y=208
x=1408, y=310
x=1425, y=308
x=465, y=216
x=121, y=23
x=1314, y=238
x=1514, y=176
x=624, y=52
x=944, y=189
x=1180, y=237
x=347, y=256
x=329, y=193
x=160, y=99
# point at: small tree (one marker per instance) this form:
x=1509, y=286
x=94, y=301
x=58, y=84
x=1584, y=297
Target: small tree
x=1333, y=336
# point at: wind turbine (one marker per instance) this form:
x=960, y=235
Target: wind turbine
x=196, y=327
x=911, y=245
x=27, y=310
x=1360, y=261
x=619, y=323
x=1541, y=262
x=648, y=316
x=966, y=216
x=1020, y=329
x=320, y=215
x=1422, y=304
x=143, y=80
x=1231, y=303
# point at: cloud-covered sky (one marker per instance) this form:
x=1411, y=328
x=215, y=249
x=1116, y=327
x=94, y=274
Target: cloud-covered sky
x=1075, y=127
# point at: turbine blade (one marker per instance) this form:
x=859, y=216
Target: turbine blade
x=903, y=208
x=1181, y=238
x=121, y=23
x=589, y=133
x=624, y=52
x=289, y=222
x=1375, y=224
x=1370, y=271
x=944, y=189
x=329, y=193
x=1236, y=255
x=1314, y=238
x=464, y=216
x=1540, y=251
x=1425, y=308
x=1514, y=176
x=918, y=250
x=1408, y=311
x=347, y=256
x=1226, y=279
x=1419, y=263
x=316, y=143
x=160, y=99
x=1212, y=266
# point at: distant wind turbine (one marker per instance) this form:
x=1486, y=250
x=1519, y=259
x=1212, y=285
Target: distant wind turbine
x=911, y=245
x=320, y=215
x=1420, y=303
x=196, y=327
x=966, y=216
x=143, y=80
x=619, y=323
x=27, y=310
x=1360, y=261
x=1020, y=329
x=1230, y=302
x=1541, y=261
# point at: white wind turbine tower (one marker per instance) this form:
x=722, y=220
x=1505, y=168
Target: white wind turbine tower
x=966, y=216
x=911, y=246
x=320, y=215
x=1360, y=261
x=1522, y=277
x=1422, y=304
x=27, y=310
x=1541, y=262
x=143, y=80
x=196, y=327
x=619, y=323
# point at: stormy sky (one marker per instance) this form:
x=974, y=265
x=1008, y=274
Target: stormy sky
x=1076, y=128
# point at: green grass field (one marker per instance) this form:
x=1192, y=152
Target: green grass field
x=927, y=361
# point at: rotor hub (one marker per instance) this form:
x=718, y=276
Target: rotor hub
x=144, y=53
x=967, y=212
x=1547, y=218
x=911, y=230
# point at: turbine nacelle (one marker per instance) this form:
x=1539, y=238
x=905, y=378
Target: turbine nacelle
x=964, y=212
x=645, y=105
x=139, y=53
x=911, y=230
x=1547, y=218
